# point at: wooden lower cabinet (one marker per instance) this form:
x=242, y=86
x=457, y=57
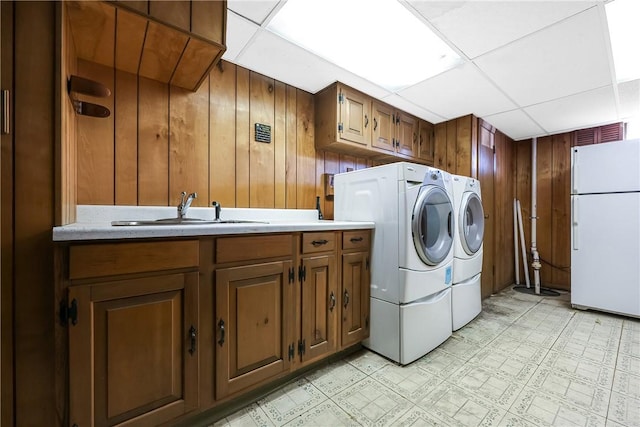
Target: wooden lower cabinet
x=133, y=350
x=251, y=328
x=161, y=330
x=354, y=298
x=318, y=305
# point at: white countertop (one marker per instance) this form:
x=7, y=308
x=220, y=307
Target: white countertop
x=94, y=222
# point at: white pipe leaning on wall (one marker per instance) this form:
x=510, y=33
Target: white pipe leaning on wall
x=535, y=256
x=515, y=240
x=522, y=244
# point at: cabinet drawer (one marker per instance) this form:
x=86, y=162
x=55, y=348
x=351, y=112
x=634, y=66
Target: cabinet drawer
x=359, y=239
x=111, y=259
x=232, y=249
x=318, y=242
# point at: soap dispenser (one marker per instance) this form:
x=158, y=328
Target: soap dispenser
x=320, y=217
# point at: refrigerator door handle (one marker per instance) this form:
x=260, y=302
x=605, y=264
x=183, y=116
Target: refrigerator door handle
x=574, y=221
x=574, y=172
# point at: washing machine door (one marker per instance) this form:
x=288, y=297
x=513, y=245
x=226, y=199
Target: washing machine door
x=471, y=223
x=432, y=224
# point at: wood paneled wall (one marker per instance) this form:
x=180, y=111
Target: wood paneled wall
x=161, y=140
x=456, y=146
x=553, y=205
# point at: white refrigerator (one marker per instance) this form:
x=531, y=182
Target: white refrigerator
x=605, y=227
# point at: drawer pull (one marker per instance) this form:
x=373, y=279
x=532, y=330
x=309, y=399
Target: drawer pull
x=192, y=337
x=221, y=327
x=345, y=298
x=356, y=239
x=332, y=301
x=317, y=243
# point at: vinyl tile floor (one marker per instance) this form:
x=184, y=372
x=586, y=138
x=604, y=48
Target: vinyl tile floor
x=525, y=360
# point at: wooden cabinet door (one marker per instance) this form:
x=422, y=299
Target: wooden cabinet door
x=319, y=302
x=353, y=121
x=252, y=320
x=383, y=127
x=406, y=134
x=425, y=141
x=355, y=297
x=133, y=351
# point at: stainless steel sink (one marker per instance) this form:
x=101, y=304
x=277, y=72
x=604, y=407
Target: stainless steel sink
x=184, y=221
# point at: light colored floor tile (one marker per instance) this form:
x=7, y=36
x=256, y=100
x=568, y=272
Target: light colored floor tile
x=334, y=378
x=506, y=365
x=630, y=341
x=521, y=333
x=611, y=423
x=251, y=416
x=371, y=403
x=511, y=420
x=624, y=410
x=290, y=401
x=583, y=350
x=323, y=415
x=629, y=323
x=627, y=383
x=523, y=351
x=491, y=386
x=583, y=369
x=367, y=361
x=418, y=417
x=481, y=330
x=460, y=348
x=628, y=363
x=456, y=406
x=410, y=381
x=574, y=391
x=545, y=410
x=440, y=363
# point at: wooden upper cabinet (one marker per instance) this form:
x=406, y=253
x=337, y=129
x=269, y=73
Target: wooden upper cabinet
x=176, y=42
x=425, y=145
x=384, y=127
x=406, y=134
x=351, y=122
x=343, y=120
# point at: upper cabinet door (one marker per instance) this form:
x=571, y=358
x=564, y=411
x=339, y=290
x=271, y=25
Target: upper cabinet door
x=425, y=141
x=383, y=127
x=407, y=134
x=354, y=117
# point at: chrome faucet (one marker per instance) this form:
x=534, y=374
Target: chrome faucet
x=185, y=202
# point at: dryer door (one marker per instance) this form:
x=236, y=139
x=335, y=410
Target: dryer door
x=471, y=223
x=432, y=224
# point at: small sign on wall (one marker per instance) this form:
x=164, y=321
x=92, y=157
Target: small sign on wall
x=263, y=133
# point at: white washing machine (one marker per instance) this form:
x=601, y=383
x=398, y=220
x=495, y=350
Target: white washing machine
x=466, y=301
x=412, y=253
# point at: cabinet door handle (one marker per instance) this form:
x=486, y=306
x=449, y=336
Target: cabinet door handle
x=375, y=124
x=192, y=336
x=366, y=120
x=221, y=327
x=332, y=301
x=319, y=242
x=356, y=239
x=345, y=298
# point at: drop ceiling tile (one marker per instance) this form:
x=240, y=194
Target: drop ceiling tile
x=564, y=59
x=457, y=92
x=275, y=57
x=239, y=32
x=256, y=11
x=477, y=27
x=515, y=124
x=583, y=110
x=411, y=108
x=629, y=96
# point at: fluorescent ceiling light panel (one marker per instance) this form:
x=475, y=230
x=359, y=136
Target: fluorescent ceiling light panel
x=622, y=18
x=379, y=40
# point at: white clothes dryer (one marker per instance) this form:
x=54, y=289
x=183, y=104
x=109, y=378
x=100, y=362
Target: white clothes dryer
x=466, y=301
x=412, y=253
